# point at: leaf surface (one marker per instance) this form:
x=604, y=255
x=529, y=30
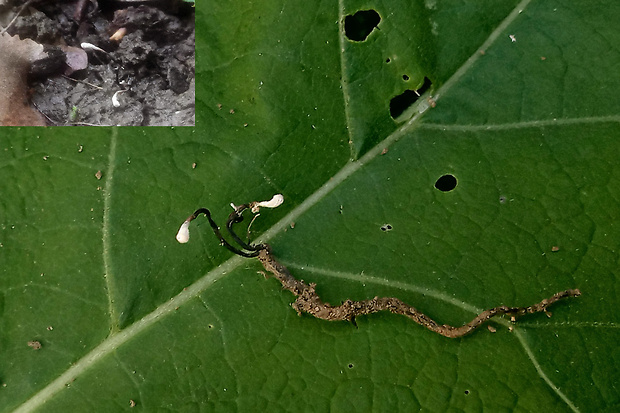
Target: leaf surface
x=287, y=104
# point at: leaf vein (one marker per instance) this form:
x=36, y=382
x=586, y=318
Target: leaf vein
x=521, y=337
x=522, y=125
x=105, y=232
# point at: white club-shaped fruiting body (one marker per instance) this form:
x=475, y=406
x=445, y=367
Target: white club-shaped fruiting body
x=183, y=234
x=274, y=202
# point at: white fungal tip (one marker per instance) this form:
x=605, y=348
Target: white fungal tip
x=274, y=202
x=183, y=234
x=115, y=102
x=90, y=46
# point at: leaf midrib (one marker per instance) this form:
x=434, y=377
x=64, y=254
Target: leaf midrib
x=115, y=340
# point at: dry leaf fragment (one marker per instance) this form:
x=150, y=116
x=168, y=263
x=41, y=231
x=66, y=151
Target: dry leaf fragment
x=17, y=56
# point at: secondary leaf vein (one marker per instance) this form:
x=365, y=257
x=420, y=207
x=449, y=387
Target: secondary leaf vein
x=521, y=337
x=107, y=200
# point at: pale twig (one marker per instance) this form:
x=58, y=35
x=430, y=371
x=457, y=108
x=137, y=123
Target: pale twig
x=26, y=4
x=81, y=81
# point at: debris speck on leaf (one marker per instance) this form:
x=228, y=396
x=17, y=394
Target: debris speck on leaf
x=35, y=345
x=98, y=175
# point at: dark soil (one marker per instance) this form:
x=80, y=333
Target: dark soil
x=149, y=72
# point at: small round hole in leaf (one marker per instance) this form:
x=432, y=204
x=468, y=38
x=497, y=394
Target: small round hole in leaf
x=446, y=183
x=358, y=26
x=405, y=78
x=386, y=227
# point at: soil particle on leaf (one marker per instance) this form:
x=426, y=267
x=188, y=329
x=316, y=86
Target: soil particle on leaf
x=152, y=60
x=35, y=345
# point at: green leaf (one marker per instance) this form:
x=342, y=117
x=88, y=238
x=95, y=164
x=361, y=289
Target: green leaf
x=90, y=268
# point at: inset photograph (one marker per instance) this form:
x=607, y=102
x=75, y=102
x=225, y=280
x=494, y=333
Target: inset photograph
x=97, y=63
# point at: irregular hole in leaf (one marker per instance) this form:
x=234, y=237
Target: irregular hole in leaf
x=402, y=102
x=466, y=392
x=388, y=60
x=446, y=183
x=502, y=199
x=350, y=365
x=405, y=78
x=358, y=26
x=386, y=227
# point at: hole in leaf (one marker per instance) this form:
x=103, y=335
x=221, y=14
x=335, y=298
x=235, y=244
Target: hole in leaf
x=350, y=366
x=466, y=392
x=386, y=227
x=402, y=102
x=446, y=183
x=388, y=60
x=358, y=26
x=405, y=78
